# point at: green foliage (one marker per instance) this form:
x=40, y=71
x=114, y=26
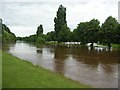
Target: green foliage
x=19, y=38
x=91, y=31
x=64, y=34
x=75, y=35
x=117, y=35
x=108, y=31
x=39, y=30
x=60, y=20
x=7, y=35
x=78, y=33
x=40, y=40
x=50, y=36
x=31, y=38
x=87, y=32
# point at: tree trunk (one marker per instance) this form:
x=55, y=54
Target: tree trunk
x=109, y=46
x=91, y=45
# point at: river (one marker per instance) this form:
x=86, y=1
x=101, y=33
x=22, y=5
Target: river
x=97, y=68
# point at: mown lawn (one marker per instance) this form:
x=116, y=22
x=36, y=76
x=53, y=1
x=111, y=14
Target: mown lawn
x=20, y=74
x=0, y=69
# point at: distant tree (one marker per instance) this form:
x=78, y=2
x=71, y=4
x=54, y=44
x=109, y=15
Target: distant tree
x=39, y=30
x=64, y=34
x=50, y=36
x=40, y=40
x=19, y=38
x=108, y=30
x=60, y=20
x=31, y=38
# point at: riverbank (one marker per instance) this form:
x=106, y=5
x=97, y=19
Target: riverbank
x=20, y=74
x=0, y=69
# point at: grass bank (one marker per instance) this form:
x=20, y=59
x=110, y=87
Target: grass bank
x=21, y=74
x=0, y=69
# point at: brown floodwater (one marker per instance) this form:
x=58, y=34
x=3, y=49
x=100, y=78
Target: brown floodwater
x=97, y=68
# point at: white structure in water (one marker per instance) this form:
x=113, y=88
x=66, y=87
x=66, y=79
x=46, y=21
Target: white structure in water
x=119, y=11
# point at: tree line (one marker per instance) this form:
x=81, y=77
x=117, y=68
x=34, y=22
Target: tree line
x=85, y=32
x=6, y=34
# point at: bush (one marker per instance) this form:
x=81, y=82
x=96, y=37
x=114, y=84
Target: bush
x=40, y=40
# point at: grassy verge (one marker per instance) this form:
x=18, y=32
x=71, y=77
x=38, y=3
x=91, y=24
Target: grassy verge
x=20, y=74
x=0, y=69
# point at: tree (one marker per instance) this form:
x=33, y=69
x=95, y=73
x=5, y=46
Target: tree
x=60, y=20
x=108, y=30
x=87, y=32
x=50, y=36
x=91, y=31
x=40, y=40
x=64, y=34
x=75, y=35
x=79, y=33
x=39, y=30
x=117, y=35
x=7, y=35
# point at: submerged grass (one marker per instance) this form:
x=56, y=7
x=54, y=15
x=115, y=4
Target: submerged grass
x=20, y=74
x=116, y=45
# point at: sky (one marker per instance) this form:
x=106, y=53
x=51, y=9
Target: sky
x=24, y=16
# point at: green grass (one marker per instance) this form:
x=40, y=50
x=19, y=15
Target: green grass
x=0, y=69
x=116, y=45
x=20, y=74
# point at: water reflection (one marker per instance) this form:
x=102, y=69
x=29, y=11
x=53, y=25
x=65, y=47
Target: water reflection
x=39, y=50
x=92, y=67
x=59, y=59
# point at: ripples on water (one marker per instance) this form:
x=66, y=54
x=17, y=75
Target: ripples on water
x=98, y=68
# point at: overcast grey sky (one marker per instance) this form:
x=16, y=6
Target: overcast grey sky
x=24, y=16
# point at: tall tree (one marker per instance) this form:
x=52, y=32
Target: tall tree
x=39, y=30
x=60, y=20
x=64, y=34
x=108, y=30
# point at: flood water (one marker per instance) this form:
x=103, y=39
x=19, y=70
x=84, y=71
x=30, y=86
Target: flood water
x=97, y=68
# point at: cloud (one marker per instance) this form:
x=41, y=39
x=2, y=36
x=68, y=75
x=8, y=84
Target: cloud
x=23, y=30
x=24, y=16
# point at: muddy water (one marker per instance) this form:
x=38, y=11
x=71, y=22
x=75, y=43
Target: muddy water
x=97, y=67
